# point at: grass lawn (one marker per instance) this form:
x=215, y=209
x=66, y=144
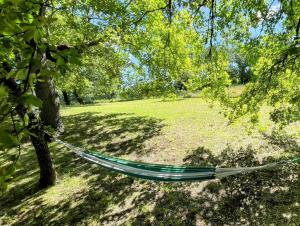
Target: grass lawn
x=186, y=131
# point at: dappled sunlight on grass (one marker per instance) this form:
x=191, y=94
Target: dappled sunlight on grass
x=117, y=133
x=179, y=127
x=67, y=188
x=187, y=132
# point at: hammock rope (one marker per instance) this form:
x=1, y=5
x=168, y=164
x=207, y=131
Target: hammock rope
x=159, y=172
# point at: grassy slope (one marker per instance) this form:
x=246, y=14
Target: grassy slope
x=187, y=131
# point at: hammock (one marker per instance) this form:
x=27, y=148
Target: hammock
x=159, y=172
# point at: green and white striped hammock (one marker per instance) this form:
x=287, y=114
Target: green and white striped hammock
x=159, y=172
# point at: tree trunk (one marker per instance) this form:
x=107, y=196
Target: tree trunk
x=50, y=115
x=38, y=139
x=78, y=98
x=47, y=172
x=66, y=97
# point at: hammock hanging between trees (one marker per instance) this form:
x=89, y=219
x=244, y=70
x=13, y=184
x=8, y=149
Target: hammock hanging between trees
x=159, y=172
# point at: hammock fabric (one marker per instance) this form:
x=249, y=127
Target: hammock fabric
x=159, y=172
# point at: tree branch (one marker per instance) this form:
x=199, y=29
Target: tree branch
x=150, y=11
x=198, y=8
x=129, y=2
x=297, y=30
x=28, y=73
x=212, y=18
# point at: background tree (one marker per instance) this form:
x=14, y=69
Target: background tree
x=98, y=75
x=239, y=70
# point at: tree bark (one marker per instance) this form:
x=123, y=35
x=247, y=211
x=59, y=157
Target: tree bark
x=66, y=97
x=47, y=172
x=38, y=140
x=50, y=114
x=78, y=98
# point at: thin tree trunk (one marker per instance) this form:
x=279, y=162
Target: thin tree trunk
x=47, y=172
x=38, y=139
x=50, y=114
x=78, y=98
x=66, y=97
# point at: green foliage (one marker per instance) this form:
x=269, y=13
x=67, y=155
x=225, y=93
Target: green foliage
x=98, y=74
x=31, y=100
x=239, y=70
x=170, y=97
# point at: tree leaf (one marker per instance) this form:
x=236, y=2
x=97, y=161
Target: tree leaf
x=7, y=140
x=60, y=61
x=21, y=74
x=28, y=34
x=3, y=92
x=37, y=35
x=30, y=99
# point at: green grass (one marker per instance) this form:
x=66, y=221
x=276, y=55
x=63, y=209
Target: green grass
x=187, y=131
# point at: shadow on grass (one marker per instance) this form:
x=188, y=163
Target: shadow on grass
x=98, y=196
x=267, y=197
x=282, y=140
x=119, y=133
